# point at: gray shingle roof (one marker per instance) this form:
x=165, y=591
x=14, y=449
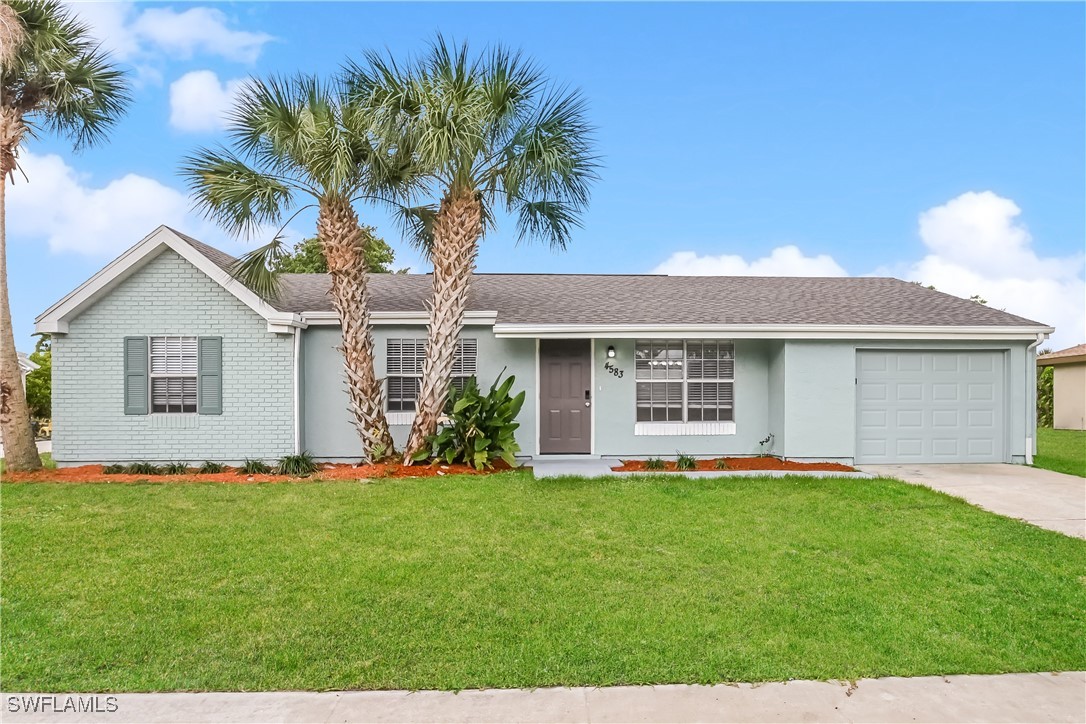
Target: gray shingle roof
x=601, y=299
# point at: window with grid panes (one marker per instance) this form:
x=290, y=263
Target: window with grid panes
x=404, y=362
x=684, y=381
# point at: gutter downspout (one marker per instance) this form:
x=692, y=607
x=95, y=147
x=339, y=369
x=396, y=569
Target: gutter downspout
x=1031, y=400
x=297, y=392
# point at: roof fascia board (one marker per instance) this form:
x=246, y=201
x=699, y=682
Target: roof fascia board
x=402, y=318
x=742, y=331
x=1066, y=360
x=55, y=319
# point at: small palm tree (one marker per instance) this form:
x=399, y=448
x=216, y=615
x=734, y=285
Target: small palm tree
x=487, y=134
x=296, y=137
x=52, y=77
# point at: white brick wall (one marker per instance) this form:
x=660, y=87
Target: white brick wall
x=170, y=296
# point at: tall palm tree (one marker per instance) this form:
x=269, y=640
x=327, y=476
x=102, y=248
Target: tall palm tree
x=52, y=77
x=297, y=138
x=487, y=135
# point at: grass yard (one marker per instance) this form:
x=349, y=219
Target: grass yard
x=1061, y=450
x=502, y=581
x=46, y=461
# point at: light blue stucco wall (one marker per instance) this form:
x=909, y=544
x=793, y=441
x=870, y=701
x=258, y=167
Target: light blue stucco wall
x=328, y=431
x=169, y=296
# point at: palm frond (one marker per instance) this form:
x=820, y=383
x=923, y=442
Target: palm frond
x=233, y=194
x=551, y=221
x=417, y=225
x=256, y=269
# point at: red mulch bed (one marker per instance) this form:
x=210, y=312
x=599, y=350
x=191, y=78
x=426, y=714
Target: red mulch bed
x=759, y=463
x=342, y=471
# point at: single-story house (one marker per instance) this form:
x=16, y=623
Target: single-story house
x=1068, y=386
x=164, y=356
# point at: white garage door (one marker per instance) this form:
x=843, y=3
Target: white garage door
x=937, y=407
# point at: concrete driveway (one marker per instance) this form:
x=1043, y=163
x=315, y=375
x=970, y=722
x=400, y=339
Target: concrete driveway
x=1041, y=497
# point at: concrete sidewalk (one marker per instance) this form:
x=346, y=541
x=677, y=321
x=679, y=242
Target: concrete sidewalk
x=1002, y=698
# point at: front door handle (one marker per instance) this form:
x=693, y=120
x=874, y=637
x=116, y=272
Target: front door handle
x=587, y=398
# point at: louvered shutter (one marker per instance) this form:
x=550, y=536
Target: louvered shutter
x=135, y=375
x=209, y=376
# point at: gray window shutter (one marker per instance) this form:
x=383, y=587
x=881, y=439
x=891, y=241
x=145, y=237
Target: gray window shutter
x=135, y=376
x=209, y=373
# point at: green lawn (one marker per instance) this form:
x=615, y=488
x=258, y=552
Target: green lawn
x=1061, y=450
x=507, y=581
x=46, y=461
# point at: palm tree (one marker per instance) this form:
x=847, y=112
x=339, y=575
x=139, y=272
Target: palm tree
x=296, y=137
x=52, y=77
x=487, y=134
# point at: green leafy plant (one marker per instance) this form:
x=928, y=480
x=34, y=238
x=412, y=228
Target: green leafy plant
x=1044, y=396
x=299, y=465
x=254, y=467
x=655, y=464
x=175, y=469
x=210, y=468
x=721, y=464
x=685, y=462
x=142, y=468
x=113, y=469
x=480, y=428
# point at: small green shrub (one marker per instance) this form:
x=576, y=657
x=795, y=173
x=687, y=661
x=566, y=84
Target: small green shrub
x=113, y=469
x=685, y=462
x=175, y=469
x=254, y=467
x=142, y=468
x=721, y=464
x=297, y=465
x=480, y=428
x=210, y=468
x=655, y=464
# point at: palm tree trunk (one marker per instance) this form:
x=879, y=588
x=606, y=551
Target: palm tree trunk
x=457, y=229
x=20, y=452
x=344, y=247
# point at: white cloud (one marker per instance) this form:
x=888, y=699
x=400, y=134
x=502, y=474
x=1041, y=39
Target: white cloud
x=60, y=207
x=200, y=102
x=130, y=33
x=784, y=261
x=976, y=245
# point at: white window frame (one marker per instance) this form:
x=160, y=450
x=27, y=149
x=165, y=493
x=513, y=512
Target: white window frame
x=466, y=365
x=180, y=373
x=685, y=426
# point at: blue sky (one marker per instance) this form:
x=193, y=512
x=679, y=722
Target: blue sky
x=936, y=142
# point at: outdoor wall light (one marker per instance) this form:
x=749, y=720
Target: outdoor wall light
x=611, y=351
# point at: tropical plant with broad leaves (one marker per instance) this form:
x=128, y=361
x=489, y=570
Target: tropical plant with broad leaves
x=487, y=135
x=479, y=429
x=297, y=144
x=53, y=77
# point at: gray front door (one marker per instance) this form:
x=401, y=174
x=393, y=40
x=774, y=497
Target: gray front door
x=565, y=388
x=929, y=407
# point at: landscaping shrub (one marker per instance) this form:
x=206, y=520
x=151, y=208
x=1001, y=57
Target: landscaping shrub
x=210, y=468
x=685, y=462
x=298, y=465
x=175, y=469
x=721, y=464
x=480, y=428
x=254, y=467
x=113, y=469
x=142, y=468
x=1044, y=396
x=655, y=464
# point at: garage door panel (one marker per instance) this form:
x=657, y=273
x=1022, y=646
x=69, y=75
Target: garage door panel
x=916, y=406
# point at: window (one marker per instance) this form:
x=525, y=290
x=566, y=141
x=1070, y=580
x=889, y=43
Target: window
x=405, y=358
x=173, y=371
x=684, y=381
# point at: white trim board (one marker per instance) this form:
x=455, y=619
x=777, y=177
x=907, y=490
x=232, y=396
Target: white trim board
x=55, y=319
x=404, y=318
x=761, y=331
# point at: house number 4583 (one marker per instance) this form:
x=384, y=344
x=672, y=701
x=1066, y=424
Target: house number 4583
x=612, y=369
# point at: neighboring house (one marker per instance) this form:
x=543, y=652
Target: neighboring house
x=25, y=366
x=163, y=355
x=1068, y=386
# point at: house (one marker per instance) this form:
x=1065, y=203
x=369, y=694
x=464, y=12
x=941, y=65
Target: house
x=163, y=356
x=26, y=366
x=1068, y=386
